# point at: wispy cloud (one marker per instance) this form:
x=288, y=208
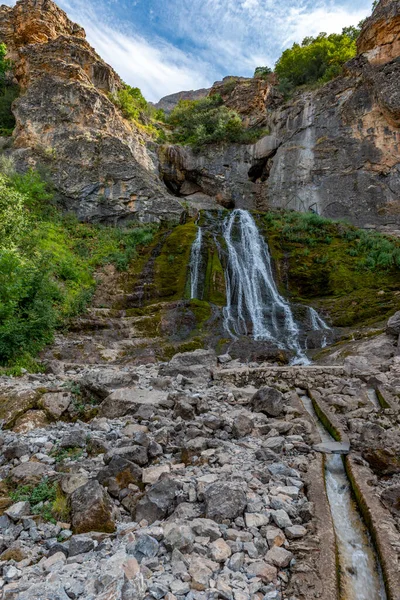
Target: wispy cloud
x=164, y=46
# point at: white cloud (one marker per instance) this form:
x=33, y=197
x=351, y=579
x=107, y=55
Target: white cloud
x=213, y=38
x=151, y=68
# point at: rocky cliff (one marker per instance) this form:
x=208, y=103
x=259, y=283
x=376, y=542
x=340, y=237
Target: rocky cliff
x=334, y=150
x=100, y=163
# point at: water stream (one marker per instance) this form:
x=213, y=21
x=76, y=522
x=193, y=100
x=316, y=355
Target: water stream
x=360, y=572
x=254, y=305
x=252, y=295
x=195, y=264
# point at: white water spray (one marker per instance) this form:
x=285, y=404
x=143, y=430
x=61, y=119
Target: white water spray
x=195, y=263
x=318, y=324
x=253, y=300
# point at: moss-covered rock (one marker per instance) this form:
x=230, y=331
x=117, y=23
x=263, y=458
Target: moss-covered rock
x=352, y=275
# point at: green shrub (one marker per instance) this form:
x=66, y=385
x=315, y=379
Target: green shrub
x=47, y=263
x=13, y=215
x=130, y=101
x=8, y=93
x=208, y=121
x=316, y=59
x=262, y=72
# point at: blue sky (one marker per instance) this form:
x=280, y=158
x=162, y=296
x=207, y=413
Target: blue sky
x=164, y=46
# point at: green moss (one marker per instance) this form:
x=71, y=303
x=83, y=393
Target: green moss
x=351, y=274
x=215, y=290
x=167, y=351
x=201, y=310
x=171, y=266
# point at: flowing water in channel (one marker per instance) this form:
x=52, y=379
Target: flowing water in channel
x=360, y=572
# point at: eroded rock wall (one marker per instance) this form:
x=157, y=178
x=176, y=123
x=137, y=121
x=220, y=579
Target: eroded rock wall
x=334, y=150
x=100, y=163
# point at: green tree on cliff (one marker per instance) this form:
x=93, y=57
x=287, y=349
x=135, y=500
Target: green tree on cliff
x=316, y=59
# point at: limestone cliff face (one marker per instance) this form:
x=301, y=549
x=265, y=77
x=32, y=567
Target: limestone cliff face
x=335, y=150
x=100, y=164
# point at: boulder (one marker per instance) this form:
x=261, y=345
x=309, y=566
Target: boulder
x=127, y=401
x=194, y=365
x=118, y=474
x=56, y=403
x=91, y=509
x=393, y=324
x=80, y=544
x=158, y=501
x=29, y=473
x=224, y=500
x=18, y=510
x=179, y=536
x=279, y=557
x=32, y=419
x=267, y=573
x=220, y=551
x=242, y=426
x=135, y=454
x=103, y=382
x=269, y=401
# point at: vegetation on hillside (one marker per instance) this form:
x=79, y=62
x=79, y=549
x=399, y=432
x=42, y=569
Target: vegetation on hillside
x=8, y=93
x=135, y=108
x=315, y=60
x=318, y=59
x=353, y=272
x=208, y=121
x=47, y=262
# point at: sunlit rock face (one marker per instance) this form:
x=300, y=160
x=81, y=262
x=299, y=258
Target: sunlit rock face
x=99, y=163
x=334, y=150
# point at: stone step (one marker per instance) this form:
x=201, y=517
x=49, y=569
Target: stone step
x=332, y=447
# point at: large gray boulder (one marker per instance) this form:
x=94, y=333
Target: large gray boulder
x=159, y=500
x=103, y=382
x=224, y=500
x=91, y=509
x=194, y=365
x=269, y=401
x=393, y=324
x=127, y=401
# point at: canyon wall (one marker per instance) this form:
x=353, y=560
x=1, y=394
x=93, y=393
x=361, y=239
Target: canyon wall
x=100, y=164
x=334, y=150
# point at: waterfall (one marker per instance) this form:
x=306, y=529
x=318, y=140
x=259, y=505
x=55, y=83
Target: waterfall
x=318, y=324
x=252, y=296
x=195, y=263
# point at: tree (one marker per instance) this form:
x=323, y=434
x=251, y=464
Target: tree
x=317, y=59
x=262, y=72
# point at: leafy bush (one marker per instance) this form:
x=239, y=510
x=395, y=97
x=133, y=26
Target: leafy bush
x=47, y=263
x=8, y=93
x=130, y=101
x=317, y=59
x=208, y=121
x=46, y=499
x=135, y=108
x=262, y=72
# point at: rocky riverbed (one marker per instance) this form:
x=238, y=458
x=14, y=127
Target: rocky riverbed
x=192, y=479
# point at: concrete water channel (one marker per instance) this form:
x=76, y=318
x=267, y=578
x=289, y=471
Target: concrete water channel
x=360, y=573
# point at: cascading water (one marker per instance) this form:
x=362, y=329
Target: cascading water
x=360, y=572
x=254, y=306
x=252, y=295
x=195, y=263
x=318, y=324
